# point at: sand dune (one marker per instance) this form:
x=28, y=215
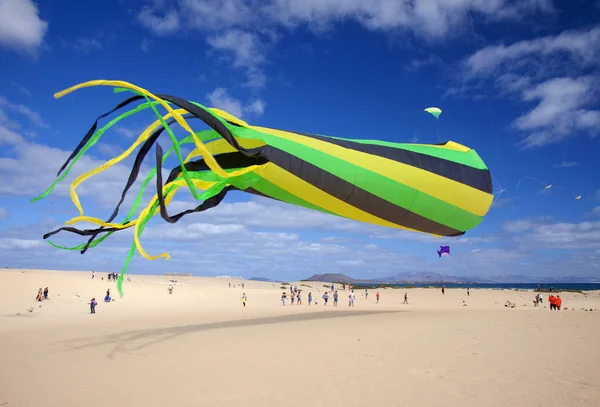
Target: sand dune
x=199, y=346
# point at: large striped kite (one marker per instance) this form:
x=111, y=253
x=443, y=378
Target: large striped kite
x=443, y=190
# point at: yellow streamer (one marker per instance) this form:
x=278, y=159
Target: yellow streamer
x=210, y=160
x=200, y=147
x=80, y=179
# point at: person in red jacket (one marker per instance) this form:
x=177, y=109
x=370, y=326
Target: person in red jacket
x=558, y=302
x=552, y=301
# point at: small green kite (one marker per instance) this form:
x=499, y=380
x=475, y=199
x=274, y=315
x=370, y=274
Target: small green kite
x=435, y=111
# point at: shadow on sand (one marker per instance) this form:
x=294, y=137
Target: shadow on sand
x=129, y=342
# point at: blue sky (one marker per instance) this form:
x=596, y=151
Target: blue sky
x=517, y=80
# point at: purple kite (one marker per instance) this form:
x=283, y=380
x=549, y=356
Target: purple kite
x=445, y=250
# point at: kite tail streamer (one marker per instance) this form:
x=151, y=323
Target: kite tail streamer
x=212, y=196
x=90, y=139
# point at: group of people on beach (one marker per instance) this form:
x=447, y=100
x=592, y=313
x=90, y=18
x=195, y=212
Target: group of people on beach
x=296, y=296
x=42, y=294
x=555, y=301
x=111, y=276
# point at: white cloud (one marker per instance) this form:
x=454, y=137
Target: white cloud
x=518, y=226
x=85, y=44
x=384, y=233
x=166, y=24
x=32, y=116
x=219, y=14
x=546, y=71
x=145, y=45
x=246, y=51
x=583, y=46
x=353, y=263
x=257, y=107
x=560, y=112
x=28, y=168
x=231, y=24
x=269, y=214
x=8, y=137
x=6, y=122
x=110, y=150
x=21, y=28
x=417, y=64
x=19, y=244
x=21, y=89
x=565, y=236
x=221, y=99
x=566, y=164
x=431, y=19
x=596, y=210
x=193, y=231
x=510, y=83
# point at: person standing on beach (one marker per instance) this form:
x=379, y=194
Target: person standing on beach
x=558, y=302
x=244, y=298
x=93, y=275
x=335, y=298
x=443, y=289
x=46, y=293
x=283, y=297
x=552, y=301
x=93, y=304
x=325, y=298
x=309, y=298
x=405, y=298
x=377, y=297
x=366, y=294
x=299, y=298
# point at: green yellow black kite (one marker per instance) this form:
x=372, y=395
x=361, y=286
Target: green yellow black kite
x=443, y=189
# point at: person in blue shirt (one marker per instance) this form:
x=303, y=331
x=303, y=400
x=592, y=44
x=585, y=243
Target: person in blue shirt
x=93, y=304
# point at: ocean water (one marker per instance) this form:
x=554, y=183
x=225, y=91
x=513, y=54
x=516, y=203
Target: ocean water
x=502, y=286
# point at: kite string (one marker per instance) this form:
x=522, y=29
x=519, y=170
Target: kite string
x=491, y=116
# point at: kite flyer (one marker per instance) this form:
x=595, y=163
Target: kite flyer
x=93, y=304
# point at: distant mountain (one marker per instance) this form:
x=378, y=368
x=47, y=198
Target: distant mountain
x=425, y=277
x=422, y=277
x=332, y=278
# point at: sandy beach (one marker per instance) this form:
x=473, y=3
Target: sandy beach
x=200, y=347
